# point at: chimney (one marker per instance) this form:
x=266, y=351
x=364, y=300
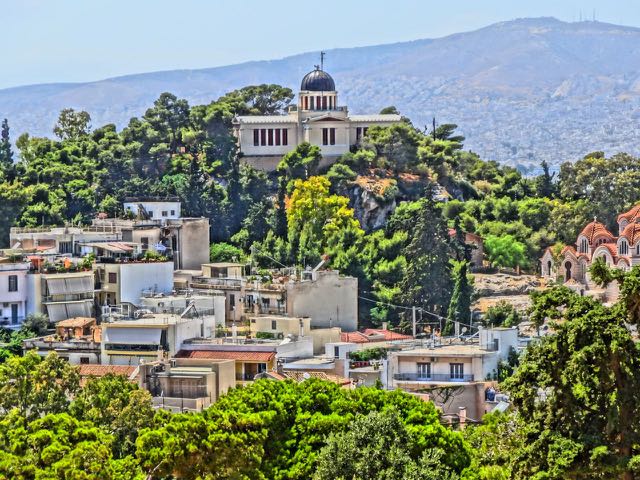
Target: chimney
x=462, y=415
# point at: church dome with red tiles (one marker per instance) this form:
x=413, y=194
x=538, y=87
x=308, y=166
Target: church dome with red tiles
x=632, y=233
x=630, y=216
x=596, y=229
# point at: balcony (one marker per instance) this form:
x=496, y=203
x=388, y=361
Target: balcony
x=433, y=378
x=204, y=282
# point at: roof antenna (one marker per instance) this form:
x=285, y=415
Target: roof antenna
x=322, y=54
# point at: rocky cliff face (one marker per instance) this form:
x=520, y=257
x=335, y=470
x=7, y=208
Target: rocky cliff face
x=369, y=208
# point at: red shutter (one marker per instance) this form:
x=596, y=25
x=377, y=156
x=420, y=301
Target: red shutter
x=306, y=103
x=271, y=136
x=318, y=102
x=256, y=137
x=285, y=136
x=277, y=136
x=263, y=136
x=324, y=103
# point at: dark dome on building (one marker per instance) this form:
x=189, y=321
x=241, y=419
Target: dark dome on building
x=318, y=81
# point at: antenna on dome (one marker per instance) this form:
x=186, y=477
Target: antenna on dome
x=322, y=54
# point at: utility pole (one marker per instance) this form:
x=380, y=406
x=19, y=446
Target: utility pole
x=413, y=320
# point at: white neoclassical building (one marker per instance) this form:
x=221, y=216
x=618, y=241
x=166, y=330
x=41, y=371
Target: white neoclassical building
x=317, y=118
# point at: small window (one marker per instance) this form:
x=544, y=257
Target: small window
x=173, y=213
x=274, y=324
x=232, y=301
x=285, y=136
x=84, y=360
x=164, y=213
x=13, y=283
x=150, y=212
x=336, y=352
x=358, y=134
x=113, y=277
x=424, y=371
x=256, y=137
x=145, y=242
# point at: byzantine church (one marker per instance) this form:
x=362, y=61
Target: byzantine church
x=317, y=118
x=595, y=241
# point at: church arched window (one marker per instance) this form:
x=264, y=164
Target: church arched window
x=623, y=248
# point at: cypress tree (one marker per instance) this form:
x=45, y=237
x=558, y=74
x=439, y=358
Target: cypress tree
x=427, y=283
x=6, y=154
x=460, y=305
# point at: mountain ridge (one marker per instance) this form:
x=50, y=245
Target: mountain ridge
x=521, y=91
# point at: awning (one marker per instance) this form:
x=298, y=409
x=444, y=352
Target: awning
x=56, y=286
x=63, y=310
x=131, y=336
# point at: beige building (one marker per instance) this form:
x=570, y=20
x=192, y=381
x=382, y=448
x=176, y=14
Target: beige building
x=317, y=119
x=187, y=385
x=127, y=282
x=329, y=299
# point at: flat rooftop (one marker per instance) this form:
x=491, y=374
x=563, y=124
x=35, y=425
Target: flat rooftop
x=446, y=351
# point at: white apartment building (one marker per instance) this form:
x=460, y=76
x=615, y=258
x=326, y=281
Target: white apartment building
x=13, y=293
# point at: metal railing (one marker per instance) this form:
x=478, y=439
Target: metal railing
x=434, y=377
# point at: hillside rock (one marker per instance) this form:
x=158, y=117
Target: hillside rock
x=502, y=285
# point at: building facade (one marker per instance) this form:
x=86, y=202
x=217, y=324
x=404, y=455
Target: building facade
x=317, y=119
x=13, y=293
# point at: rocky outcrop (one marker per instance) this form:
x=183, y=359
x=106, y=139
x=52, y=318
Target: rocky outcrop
x=369, y=208
x=502, y=285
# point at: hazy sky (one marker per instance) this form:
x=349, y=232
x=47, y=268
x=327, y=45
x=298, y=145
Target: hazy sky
x=80, y=40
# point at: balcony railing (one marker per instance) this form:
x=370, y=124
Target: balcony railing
x=434, y=377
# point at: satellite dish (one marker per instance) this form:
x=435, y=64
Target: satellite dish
x=464, y=329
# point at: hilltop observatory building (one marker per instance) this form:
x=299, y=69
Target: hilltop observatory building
x=317, y=118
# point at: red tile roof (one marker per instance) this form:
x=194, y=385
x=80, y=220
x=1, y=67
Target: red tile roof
x=366, y=336
x=632, y=232
x=595, y=229
x=630, y=215
x=609, y=246
x=243, y=356
x=75, y=322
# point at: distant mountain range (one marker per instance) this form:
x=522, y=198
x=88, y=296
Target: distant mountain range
x=521, y=91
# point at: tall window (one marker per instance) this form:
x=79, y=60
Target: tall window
x=306, y=103
x=358, y=134
x=270, y=135
x=325, y=136
x=330, y=103
x=263, y=136
x=285, y=136
x=424, y=370
x=318, y=102
x=457, y=371
x=584, y=245
x=332, y=136
x=311, y=103
x=278, y=136
x=113, y=277
x=256, y=137
x=624, y=248
x=13, y=283
x=324, y=103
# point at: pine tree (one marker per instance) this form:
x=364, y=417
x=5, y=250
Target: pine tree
x=6, y=154
x=427, y=283
x=544, y=183
x=460, y=305
x=280, y=213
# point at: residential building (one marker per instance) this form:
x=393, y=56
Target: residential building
x=13, y=292
x=87, y=372
x=454, y=374
x=184, y=240
x=183, y=384
x=76, y=340
x=326, y=297
x=278, y=326
x=151, y=336
x=126, y=282
x=317, y=119
x=252, y=356
x=205, y=302
x=62, y=295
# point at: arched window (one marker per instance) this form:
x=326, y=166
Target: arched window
x=584, y=246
